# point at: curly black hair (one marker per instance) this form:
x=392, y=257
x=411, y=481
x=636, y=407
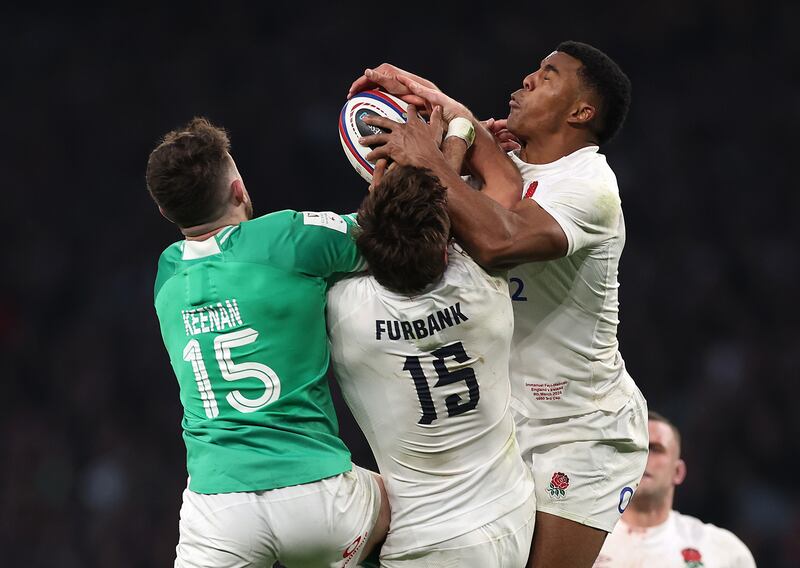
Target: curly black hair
x=601, y=74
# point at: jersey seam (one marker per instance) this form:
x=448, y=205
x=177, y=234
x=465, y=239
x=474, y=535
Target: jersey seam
x=607, y=260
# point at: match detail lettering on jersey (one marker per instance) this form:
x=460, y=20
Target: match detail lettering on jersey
x=547, y=391
x=215, y=317
x=420, y=328
x=326, y=219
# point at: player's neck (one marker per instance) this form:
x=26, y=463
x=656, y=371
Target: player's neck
x=208, y=230
x=548, y=148
x=644, y=514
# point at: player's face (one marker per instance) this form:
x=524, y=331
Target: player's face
x=546, y=98
x=664, y=467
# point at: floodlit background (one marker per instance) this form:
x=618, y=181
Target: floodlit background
x=91, y=458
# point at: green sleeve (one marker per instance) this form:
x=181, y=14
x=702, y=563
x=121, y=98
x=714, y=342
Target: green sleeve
x=325, y=243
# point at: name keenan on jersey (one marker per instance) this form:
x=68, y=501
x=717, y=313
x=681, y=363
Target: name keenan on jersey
x=215, y=317
x=420, y=328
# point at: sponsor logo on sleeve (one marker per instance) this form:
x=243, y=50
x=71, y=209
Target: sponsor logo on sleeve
x=326, y=219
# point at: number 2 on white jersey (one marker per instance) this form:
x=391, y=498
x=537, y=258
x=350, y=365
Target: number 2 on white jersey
x=232, y=372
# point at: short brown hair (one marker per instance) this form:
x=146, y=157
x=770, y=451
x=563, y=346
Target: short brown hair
x=405, y=229
x=186, y=170
x=656, y=417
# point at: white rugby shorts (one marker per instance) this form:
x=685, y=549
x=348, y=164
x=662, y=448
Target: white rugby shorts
x=504, y=542
x=324, y=523
x=587, y=467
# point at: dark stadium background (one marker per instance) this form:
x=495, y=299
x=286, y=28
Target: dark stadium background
x=92, y=462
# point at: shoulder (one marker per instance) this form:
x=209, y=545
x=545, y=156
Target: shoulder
x=725, y=540
x=168, y=263
x=270, y=221
x=348, y=297
x=297, y=229
x=720, y=539
x=352, y=288
x=300, y=219
x=463, y=270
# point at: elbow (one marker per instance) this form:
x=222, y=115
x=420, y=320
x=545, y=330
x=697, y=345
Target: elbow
x=492, y=253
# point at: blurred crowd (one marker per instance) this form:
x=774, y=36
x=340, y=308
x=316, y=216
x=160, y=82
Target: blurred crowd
x=91, y=458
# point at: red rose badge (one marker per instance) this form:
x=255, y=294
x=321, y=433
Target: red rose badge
x=558, y=485
x=692, y=557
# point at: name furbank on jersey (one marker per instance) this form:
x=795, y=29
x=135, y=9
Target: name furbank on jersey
x=394, y=330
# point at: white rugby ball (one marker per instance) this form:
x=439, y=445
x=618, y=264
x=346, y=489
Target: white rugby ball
x=352, y=125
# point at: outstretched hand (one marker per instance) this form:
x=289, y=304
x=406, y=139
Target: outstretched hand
x=386, y=76
x=415, y=143
x=451, y=108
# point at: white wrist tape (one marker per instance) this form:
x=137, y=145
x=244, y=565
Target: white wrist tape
x=461, y=127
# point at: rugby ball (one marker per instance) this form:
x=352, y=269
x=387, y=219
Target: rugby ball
x=352, y=125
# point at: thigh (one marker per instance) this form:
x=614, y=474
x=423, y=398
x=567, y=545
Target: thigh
x=222, y=531
x=331, y=526
x=562, y=543
x=504, y=543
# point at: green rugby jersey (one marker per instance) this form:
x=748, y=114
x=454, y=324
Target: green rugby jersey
x=242, y=316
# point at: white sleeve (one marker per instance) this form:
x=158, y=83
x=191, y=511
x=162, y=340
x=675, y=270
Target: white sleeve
x=588, y=211
x=741, y=555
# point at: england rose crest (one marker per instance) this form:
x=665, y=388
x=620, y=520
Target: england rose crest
x=692, y=558
x=558, y=485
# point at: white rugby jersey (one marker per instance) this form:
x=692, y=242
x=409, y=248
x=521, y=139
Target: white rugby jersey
x=680, y=542
x=565, y=357
x=426, y=378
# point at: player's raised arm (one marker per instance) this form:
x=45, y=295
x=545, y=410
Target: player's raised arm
x=493, y=235
x=501, y=178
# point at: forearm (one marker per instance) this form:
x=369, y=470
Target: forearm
x=501, y=179
x=494, y=236
x=482, y=226
x=454, y=150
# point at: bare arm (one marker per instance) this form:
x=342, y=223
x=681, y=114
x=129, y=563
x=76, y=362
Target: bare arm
x=494, y=235
x=501, y=178
x=454, y=150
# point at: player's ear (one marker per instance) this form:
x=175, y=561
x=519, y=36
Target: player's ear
x=583, y=112
x=680, y=472
x=237, y=191
x=163, y=214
